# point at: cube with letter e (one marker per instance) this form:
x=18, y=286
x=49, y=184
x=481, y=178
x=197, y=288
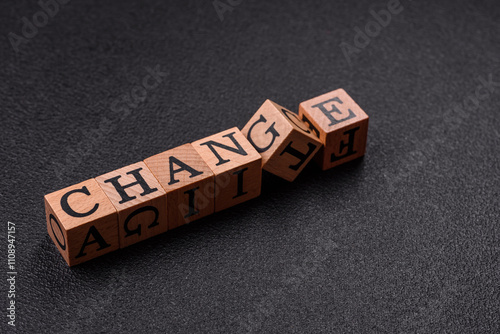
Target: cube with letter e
x=340, y=124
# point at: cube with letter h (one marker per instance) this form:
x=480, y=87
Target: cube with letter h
x=284, y=141
x=340, y=124
x=140, y=201
x=235, y=164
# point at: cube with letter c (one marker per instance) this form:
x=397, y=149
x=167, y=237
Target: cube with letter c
x=82, y=222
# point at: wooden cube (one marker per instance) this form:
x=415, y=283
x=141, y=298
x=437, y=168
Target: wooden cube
x=235, y=164
x=188, y=181
x=285, y=143
x=140, y=201
x=341, y=125
x=82, y=222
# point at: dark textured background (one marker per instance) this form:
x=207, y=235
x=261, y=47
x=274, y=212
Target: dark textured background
x=406, y=240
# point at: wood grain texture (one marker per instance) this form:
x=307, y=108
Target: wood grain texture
x=267, y=129
x=284, y=141
x=236, y=164
x=140, y=200
x=341, y=125
x=188, y=182
x=82, y=222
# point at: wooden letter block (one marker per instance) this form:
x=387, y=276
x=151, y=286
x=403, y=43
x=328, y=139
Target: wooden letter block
x=285, y=143
x=82, y=222
x=341, y=125
x=235, y=164
x=188, y=181
x=140, y=201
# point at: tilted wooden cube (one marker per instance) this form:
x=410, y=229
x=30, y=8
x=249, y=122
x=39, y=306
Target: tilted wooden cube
x=235, y=164
x=188, y=181
x=140, y=201
x=341, y=125
x=285, y=143
x=82, y=222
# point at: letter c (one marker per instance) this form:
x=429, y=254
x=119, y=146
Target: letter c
x=65, y=205
x=299, y=124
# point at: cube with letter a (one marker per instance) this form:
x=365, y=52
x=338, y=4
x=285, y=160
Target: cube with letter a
x=188, y=181
x=341, y=125
x=82, y=222
x=235, y=164
x=140, y=201
x=285, y=143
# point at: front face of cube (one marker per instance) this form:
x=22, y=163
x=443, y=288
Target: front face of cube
x=140, y=201
x=188, y=181
x=238, y=185
x=82, y=222
x=341, y=125
x=237, y=167
x=284, y=141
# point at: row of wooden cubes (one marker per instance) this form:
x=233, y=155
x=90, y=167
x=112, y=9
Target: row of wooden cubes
x=194, y=180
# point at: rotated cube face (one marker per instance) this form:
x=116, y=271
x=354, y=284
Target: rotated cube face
x=284, y=141
x=341, y=125
x=82, y=222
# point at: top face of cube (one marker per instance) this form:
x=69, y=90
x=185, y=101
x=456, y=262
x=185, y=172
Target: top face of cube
x=333, y=110
x=131, y=185
x=80, y=204
x=178, y=167
x=226, y=150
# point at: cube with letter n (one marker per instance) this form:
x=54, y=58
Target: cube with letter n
x=236, y=166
